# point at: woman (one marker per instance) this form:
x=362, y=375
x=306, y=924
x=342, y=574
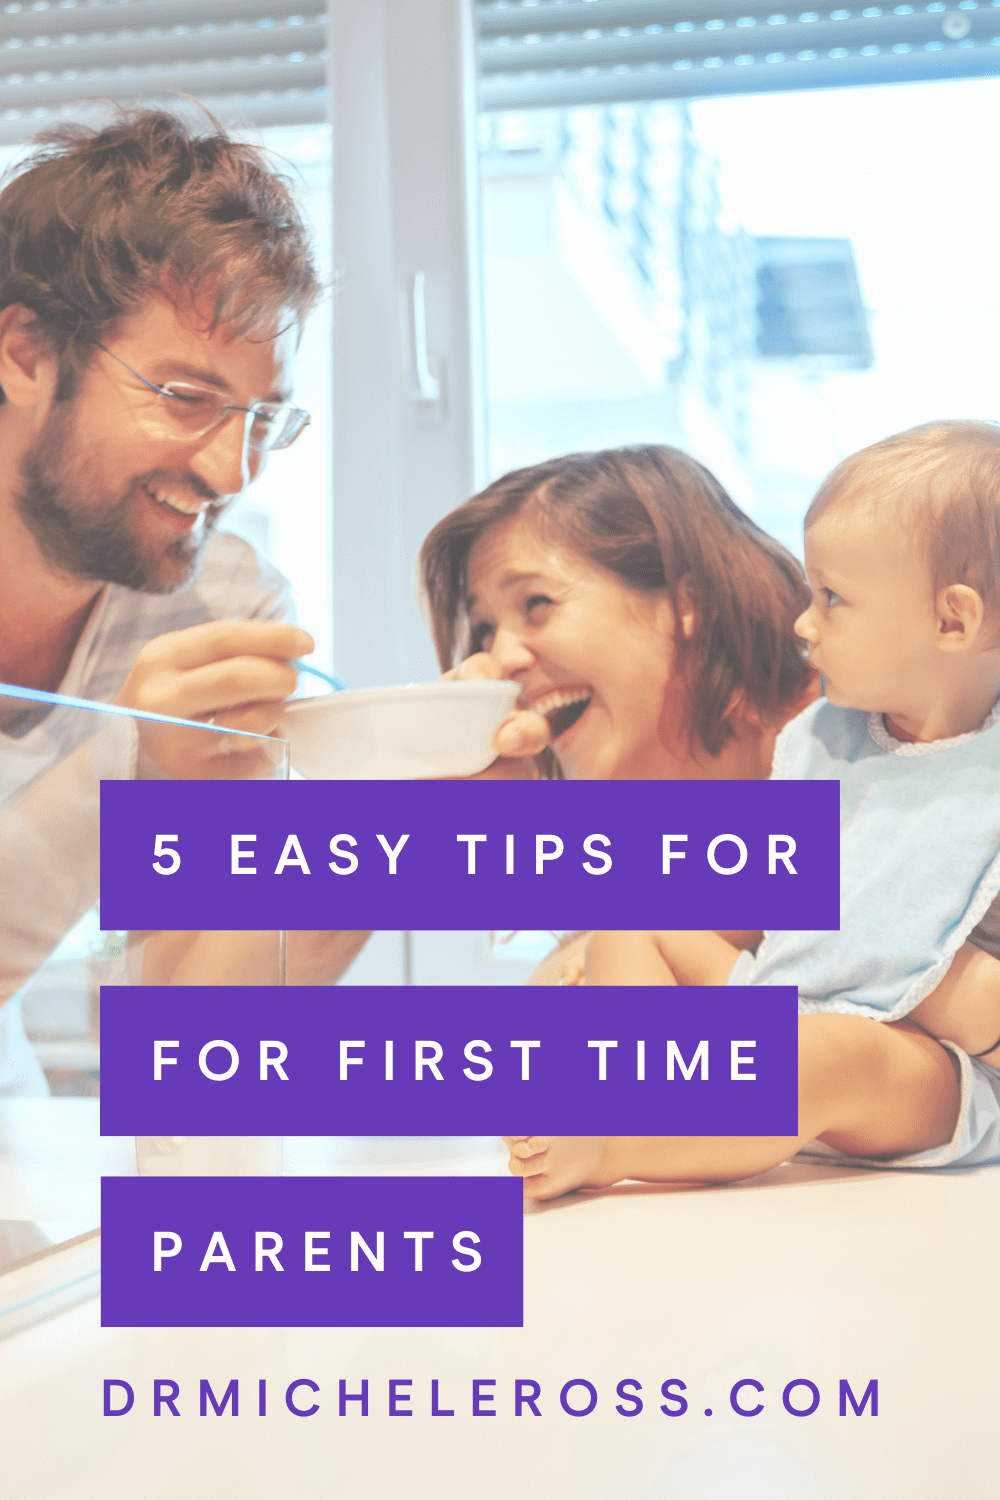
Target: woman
x=637, y=545
x=650, y=623
x=548, y=573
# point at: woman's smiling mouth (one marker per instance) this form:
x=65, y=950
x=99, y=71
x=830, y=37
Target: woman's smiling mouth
x=562, y=707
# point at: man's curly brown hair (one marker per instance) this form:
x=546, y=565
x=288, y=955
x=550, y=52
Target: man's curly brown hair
x=93, y=222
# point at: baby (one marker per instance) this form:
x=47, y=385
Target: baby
x=902, y=547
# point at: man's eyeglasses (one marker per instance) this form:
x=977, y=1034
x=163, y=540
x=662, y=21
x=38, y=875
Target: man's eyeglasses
x=190, y=411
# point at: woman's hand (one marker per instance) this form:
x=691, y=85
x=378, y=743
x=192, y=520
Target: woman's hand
x=520, y=737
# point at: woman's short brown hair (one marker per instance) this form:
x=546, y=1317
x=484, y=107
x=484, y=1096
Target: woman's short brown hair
x=660, y=521
x=94, y=222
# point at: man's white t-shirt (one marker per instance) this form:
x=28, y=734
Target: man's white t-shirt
x=232, y=584
x=52, y=761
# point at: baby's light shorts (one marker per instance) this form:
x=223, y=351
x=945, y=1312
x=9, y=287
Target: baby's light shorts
x=975, y=1139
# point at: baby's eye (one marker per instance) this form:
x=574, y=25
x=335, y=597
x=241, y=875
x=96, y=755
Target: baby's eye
x=534, y=601
x=832, y=598
x=479, y=637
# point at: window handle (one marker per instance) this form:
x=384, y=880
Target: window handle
x=424, y=385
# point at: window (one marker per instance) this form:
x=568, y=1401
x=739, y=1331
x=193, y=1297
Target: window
x=768, y=281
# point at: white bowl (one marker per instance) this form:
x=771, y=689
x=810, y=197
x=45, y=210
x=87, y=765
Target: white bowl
x=426, y=730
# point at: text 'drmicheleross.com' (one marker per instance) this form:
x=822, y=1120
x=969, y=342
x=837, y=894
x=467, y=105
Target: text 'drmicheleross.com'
x=431, y=855
x=449, y=1060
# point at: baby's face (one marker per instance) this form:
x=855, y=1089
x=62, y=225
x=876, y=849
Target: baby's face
x=871, y=626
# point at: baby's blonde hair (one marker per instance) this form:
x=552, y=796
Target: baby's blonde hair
x=941, y=482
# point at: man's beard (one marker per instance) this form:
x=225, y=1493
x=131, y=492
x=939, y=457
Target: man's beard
x=100, y=541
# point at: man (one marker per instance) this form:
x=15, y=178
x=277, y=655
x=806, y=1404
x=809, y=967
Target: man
x=153, y=283
x=152, y=288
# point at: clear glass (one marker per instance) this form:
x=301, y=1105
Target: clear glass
x=54, y=954
x=208, y=1156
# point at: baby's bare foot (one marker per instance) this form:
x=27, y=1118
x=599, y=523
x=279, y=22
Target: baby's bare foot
x=574, y=971
x=551, y=1165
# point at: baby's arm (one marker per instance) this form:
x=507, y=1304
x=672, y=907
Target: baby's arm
x=965, y=1007
x=659, y=958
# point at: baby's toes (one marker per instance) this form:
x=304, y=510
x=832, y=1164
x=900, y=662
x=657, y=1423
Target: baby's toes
x=524, y=1146
x=574, y=972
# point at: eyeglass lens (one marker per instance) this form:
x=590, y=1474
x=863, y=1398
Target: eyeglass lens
x=195, y=411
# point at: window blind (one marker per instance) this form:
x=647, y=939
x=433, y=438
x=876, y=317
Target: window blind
x=556, y=53
x=242, y=62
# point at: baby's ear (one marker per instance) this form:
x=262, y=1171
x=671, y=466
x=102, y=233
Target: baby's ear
x=960, y=612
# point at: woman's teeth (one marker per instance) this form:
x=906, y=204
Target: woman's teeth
x=179, y=505
x=562, y=708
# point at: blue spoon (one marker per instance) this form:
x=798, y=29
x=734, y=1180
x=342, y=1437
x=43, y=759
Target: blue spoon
x=334, y=682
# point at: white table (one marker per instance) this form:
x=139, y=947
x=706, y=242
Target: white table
x=807, y=1272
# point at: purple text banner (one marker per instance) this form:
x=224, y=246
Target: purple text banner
x=426, y=855
x=311, y=1252
x=449, y=1060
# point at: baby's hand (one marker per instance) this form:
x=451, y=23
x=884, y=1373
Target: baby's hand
x=965, y=1007
x=551, y=1165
